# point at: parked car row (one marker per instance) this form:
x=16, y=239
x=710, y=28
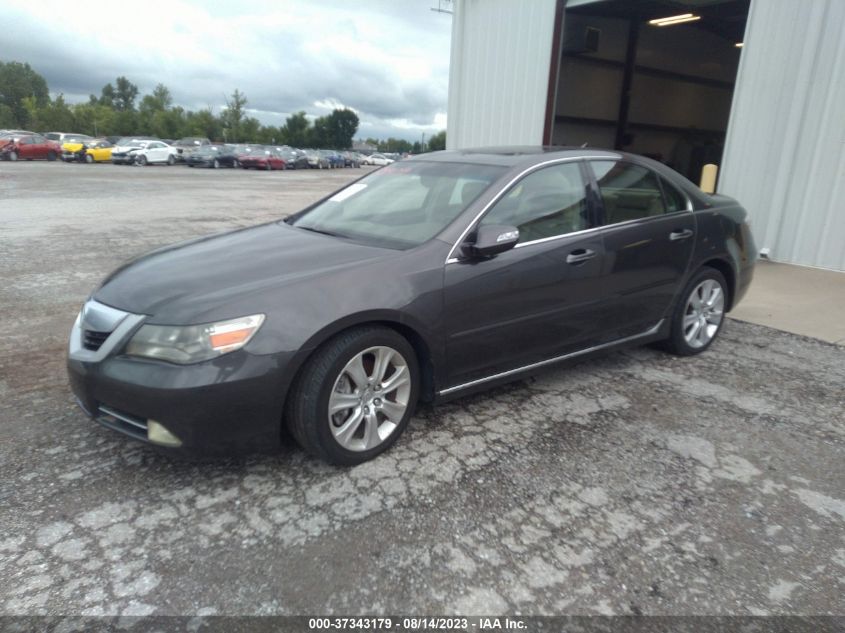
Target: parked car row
x=194, y=152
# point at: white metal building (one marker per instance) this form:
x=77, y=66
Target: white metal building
x=755, y=86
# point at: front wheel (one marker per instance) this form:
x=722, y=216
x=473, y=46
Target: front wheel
x=89, y=159
x=13, y=155
x=142, y=161
x=51, y=156
x=699, y=315
x=216, y=164
x=355, y=396
x=171, y=160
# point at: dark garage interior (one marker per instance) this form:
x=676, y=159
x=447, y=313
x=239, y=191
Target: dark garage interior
x=651, y=77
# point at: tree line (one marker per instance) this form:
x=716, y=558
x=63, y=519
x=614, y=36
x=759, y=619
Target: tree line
x=25, y=103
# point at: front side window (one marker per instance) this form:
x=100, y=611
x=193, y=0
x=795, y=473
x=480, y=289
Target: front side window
x=546, y=203
x=628, y=191
x=401, y=205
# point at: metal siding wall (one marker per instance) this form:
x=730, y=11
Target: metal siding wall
x=785, y=149
x=499, y=72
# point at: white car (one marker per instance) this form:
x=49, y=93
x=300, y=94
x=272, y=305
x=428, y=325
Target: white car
x=377, y=159
x=154, y=152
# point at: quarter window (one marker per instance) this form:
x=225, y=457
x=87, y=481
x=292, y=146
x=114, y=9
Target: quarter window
x=546, y=203
x=675, y=200
x=628, y=191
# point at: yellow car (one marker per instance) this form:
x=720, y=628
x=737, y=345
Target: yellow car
x=96, y=151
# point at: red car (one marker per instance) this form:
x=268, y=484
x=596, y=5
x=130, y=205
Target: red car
x=29, y=147
x=261, y=158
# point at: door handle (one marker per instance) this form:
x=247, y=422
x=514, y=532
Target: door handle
x=580, y=255
x=680, y=235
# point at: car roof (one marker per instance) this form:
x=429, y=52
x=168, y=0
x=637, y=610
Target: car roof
x=510, y=156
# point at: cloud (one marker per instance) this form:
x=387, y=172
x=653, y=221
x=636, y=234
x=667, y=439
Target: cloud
x=388, y=61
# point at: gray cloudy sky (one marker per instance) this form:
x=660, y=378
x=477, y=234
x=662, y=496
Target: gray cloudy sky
x=386, y=59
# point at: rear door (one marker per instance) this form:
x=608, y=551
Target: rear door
x=538, y=300
x=156, y=152
x=649, y=233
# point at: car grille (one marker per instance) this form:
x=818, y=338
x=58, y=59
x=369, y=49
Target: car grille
x=91, y=339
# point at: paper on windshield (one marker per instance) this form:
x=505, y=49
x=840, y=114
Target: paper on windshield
x=350, y=191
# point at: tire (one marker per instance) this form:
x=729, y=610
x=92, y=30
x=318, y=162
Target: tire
x=89, y=159
x=269, y=166
x=142, y=161
x=367, y=427
x=171, y=160
x=216, y=164
x=51, y=156
x=13, y=155
x=235, y=164
x=699, y=315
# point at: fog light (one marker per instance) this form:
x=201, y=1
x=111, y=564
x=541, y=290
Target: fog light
x=158, y=433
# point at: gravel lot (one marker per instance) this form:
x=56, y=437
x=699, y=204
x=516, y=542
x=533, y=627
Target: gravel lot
x=634, y=483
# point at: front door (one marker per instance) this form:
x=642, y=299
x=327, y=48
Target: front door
x=538, y=300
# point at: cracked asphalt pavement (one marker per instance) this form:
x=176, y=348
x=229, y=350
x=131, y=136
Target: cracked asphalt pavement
x=636, y=482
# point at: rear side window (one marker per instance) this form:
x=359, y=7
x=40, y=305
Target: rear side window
x=628, y=191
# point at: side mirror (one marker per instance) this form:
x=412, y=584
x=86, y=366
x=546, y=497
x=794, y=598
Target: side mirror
x=491, y=240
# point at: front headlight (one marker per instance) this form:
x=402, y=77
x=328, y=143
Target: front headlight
x=193, y=343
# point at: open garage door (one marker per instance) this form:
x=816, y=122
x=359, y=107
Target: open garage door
x=654, y=77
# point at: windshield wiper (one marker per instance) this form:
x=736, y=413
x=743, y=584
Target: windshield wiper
x=314, y=230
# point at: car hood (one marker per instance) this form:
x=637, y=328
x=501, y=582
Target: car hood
x=228, y=275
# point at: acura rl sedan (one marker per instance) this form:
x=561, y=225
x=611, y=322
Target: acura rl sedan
x=425, y=280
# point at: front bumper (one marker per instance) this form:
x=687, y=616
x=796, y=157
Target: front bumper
x=229, y=405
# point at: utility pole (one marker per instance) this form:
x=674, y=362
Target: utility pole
x=422, y=144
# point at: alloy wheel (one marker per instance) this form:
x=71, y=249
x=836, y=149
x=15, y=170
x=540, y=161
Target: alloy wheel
x=369, y=398
x=704, y=312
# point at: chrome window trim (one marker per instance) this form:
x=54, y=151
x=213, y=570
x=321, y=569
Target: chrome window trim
x=450, y=259
x=645, y=220
x=549, y=361
x=543, y=240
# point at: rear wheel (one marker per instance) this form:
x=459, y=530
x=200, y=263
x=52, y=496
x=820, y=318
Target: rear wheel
x=235, y=163
x=171, y=160
x=216, y=164
x=13, y=155
x=142, y=161
x=354, y=397
x=699, y=315
x=269, y=166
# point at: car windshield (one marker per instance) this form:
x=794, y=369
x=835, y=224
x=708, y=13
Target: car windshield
x=400, y=206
